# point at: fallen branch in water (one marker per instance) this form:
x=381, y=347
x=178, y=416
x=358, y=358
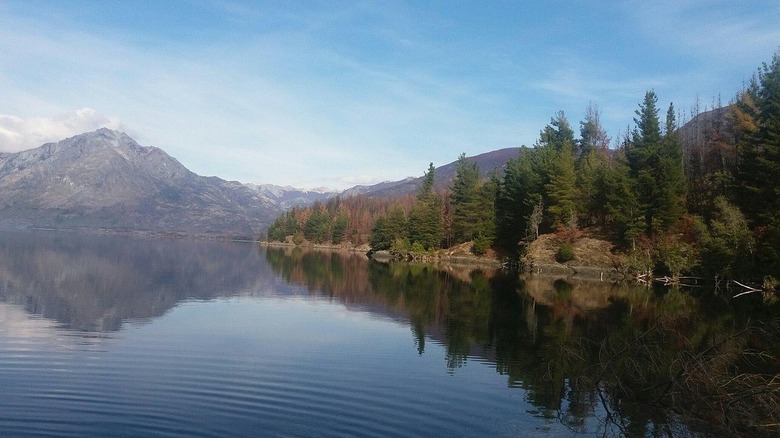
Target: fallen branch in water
x=667, y=281
x=643, y=278
x=749, y=290
x=677, y=281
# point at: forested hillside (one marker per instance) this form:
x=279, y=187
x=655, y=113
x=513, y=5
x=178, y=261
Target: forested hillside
x=704, y=198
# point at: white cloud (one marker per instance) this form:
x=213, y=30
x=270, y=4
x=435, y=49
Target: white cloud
x=18, y=134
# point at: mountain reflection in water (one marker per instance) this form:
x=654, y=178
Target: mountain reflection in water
x=94, y=283
x=578, y=349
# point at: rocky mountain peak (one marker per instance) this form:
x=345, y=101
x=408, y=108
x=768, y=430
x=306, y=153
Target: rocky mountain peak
x=105, y=180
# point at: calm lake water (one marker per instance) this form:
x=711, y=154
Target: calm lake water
x=120, y=336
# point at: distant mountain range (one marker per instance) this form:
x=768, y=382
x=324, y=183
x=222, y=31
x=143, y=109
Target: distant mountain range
x=104, y=180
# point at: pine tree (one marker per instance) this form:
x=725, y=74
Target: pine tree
x=388, y=229
x=517, y=193
x=616, y=194
x=648, y=127
x=317, y=226
x=553, y=162
x=759, y=148
x=592, y=157
x=381, y=238
x=426, y=186
x=670, y=205
x=285, y=225
x=588, y=205
x=656, y=166
x=465, y=199
x=425, y=226
x=557, y=133
x=561, y=192
x=486, y=231
x=339, y=228
x=758, y=168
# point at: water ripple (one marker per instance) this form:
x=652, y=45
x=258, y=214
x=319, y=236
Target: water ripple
x=139, y=383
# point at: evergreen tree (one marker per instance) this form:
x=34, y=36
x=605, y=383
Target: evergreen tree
x=285, y=225
x=670, y=205
x=647, y=134
x=671, y=121
x=617, y=198
x=486, y=231
x=276, y=231
x=381, y=238
x=426, y=186
x=593, y=151
x=759, y=164
x=339, y=228
x=588, y=203
x=656, y=165
x=517, y=193
x=561, y=192
x=643, y=154
x=557, y=133
x=388, y=229
x=466, y=200
x=425, y=226
x=317, y=226
x=396, y=223
x=759, y=148
x=554, y=164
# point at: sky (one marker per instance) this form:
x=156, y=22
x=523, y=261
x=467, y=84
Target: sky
x=339, y=93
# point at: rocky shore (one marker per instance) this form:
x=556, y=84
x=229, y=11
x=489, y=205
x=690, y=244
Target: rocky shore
x=592, y=258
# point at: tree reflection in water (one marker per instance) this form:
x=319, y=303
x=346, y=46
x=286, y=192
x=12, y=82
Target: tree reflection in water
x=643, y=361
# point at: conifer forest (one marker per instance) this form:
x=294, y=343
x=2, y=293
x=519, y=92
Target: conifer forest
x=695, y=198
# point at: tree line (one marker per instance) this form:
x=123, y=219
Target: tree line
x=702, y=199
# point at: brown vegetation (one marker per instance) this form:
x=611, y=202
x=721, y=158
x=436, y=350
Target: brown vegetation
x=593, y=256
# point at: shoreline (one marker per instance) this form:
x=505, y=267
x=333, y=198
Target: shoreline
x=597, y=273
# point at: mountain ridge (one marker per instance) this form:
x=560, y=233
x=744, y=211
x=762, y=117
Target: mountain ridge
x=488, y=162
x=106, y=181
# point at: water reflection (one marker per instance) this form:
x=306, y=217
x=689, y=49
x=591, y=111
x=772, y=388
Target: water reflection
x=642, y=361
x=94, y=283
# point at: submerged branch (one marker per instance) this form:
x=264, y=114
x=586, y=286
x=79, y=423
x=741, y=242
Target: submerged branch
x=749, y=290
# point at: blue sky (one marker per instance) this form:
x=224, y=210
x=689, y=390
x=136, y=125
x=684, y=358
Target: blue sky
x=334, y=93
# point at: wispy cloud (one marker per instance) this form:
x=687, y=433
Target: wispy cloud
x=276, y=108
x=722, y=31
x=17, y=134
x=333, y=94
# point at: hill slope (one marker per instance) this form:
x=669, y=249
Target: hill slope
x=488, y=162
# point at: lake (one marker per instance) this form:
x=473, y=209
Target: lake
x=131, y=336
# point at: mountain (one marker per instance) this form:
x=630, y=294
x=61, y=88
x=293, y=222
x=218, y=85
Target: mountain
x=105, y=180
x=489, y=162
x=379, y=188
x=286, y=197
x=714, y=124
